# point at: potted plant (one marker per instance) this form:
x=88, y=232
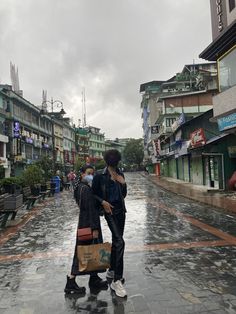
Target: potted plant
x=46, y=164
x=33, y=176
x=12, y=185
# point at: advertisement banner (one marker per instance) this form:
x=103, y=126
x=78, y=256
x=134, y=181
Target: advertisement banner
x=197, y=138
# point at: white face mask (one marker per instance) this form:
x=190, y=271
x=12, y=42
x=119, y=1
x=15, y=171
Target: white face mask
x=89, y=179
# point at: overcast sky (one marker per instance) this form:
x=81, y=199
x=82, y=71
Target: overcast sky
x=109, y=47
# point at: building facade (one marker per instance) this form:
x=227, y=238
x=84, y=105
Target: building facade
x=69, y=149
x=96, y=143
x=223, y=51
x=82, y=142
x=182, y=97
x=30, y=135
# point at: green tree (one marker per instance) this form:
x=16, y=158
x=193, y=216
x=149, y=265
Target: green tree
x=133, y=153
x=100, y=164
x=46, y=164
x=33, y=175
x=79, y=163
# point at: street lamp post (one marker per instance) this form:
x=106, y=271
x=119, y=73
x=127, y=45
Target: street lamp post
x=43, y=111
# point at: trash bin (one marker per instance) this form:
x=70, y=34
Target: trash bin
x=57, y=181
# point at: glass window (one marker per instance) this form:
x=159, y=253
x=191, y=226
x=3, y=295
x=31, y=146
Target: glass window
x=231, y=5
x=227, y=70
x=170, y=121
x=1, y=149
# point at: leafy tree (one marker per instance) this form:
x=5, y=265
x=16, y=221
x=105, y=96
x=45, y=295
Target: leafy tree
x=46, y=164
x=133, y=153
x=100, y=164
x=79, y=163
x=33, y=175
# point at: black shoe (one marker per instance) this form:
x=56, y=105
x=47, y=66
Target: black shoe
x=97, y=282
x=72, y=287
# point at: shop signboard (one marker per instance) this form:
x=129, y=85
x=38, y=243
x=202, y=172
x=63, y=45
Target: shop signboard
x=197, y=138
x=154, y=129
x=29, y=140
x=178, y=122
x=16, y=129
x=227, y=122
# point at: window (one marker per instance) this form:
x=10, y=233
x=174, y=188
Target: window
x=227, y=70
x=170, y=121
x=1, y=149
x=231, y=5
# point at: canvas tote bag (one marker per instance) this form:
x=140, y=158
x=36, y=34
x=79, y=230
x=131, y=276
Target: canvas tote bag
x=94, y=257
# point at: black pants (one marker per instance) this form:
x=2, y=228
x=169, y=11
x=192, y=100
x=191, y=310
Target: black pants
x=116, y=224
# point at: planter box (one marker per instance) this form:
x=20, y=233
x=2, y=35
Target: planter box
x=13, y=201
x=2, y=200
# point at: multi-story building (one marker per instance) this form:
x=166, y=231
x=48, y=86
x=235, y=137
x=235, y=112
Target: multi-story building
x=30, y=134
x=68, y=145
x=4, y=163
x=151, y=108
x=114, y=144
x=184, y=96
x=82, y=142
x=223, y=50
x=96, y=142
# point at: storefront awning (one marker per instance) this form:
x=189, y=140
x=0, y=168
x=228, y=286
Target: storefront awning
x=216, y=138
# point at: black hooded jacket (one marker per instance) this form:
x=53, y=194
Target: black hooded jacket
x=100, y=187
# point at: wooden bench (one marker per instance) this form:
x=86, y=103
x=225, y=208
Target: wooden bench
x=45, y=191
x=9, y=205
x=28, y=198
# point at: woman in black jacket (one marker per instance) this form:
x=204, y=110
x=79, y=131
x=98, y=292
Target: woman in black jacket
x=88, y=217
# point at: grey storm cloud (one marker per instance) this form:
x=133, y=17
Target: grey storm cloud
x=108, y=47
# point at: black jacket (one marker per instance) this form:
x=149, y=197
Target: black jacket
x=89, y=214
x=100, y=187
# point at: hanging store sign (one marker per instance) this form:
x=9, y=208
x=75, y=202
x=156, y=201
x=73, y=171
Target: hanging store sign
x=197, y=138
x=45, y=145
x=227, y=122
x=29, y=140
x=178, y=122
x=219, y=13
x=154, y=129
x=16, y=129
x=157, y=147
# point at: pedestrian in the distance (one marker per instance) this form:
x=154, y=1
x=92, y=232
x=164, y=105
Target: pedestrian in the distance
x=109, y=188
x=71, y=178
x=88, y=217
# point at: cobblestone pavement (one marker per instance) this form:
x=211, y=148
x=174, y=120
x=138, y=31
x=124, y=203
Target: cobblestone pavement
x=180, y=257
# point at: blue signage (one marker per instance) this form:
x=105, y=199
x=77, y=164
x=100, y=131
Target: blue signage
x=227, y=122
x=16, y=129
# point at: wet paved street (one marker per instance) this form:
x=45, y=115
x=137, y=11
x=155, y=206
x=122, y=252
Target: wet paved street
x=180, y=257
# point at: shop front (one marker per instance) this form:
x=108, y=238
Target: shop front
x=213, y=170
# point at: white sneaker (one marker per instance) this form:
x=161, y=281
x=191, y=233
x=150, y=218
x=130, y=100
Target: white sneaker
x=110, y=274
x=118, y=288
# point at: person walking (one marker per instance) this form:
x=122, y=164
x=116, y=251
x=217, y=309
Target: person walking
x=109, y=188
x=71, y=178
x=88, y=217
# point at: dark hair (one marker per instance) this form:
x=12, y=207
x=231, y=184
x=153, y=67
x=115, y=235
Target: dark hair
x=85, y=167
x=112, y=157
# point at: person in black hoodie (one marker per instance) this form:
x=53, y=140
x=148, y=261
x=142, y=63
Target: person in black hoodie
x=109, y=188
x=88, y=217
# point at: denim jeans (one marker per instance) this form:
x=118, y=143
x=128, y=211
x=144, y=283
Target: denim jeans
x=116, y=224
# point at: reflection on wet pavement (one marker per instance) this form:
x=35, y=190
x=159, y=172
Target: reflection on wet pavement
x=180, y=258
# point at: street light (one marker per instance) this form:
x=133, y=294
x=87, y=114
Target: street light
x=43, y=111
